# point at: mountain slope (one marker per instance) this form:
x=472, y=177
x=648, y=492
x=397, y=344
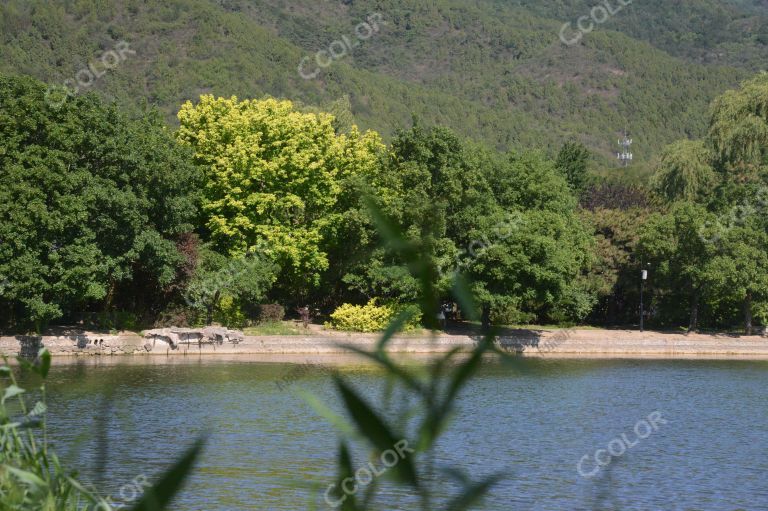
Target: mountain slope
x=494, y=71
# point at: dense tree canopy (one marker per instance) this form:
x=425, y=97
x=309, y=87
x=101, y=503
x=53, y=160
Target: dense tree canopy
x=256, y=201
x=673, y=247
x=91, y=205
x=537, y=249
x=738, y=130
x=507, y=222
x=712, y=247
x=436, y=193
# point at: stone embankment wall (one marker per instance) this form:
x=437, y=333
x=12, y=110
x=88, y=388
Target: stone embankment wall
x=610, y=343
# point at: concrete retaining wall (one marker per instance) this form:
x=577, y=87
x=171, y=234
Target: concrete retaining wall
x=526, y=342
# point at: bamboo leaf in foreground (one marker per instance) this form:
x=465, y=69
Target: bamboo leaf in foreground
x=12, y=391
x=43, y=362
x=383, y=360
x=376, y=431
x=346, y=471
x=473, y=494
x=393, y=328
x=161, y=493
x=34, y=482
x=463, y=295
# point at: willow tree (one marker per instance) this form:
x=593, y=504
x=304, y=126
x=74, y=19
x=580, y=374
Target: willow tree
x=274, y=178
x=684, y=171
x=738, y=136
x=738, y=131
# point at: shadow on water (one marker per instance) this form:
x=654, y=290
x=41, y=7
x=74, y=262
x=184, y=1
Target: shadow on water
x=603, y=496
x=101, y=425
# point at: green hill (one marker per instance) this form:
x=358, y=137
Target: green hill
x=495, y=71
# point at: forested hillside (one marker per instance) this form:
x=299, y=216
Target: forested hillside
x=494, y=71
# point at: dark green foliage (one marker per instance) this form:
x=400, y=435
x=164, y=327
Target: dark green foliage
x=223, y=288
x=572, y=161
x=269, y=313
x=611, y=195
x=613, y=276
x=435, y=193
x=673, y=247
x=533, y=250
x=507, y=220
x=711, y=254
x=92, y=205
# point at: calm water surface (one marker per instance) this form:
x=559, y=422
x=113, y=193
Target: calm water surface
x=532, y=420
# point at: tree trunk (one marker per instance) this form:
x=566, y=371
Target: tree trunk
x=694, y=319
x=110, y=295
x=209, y=309
x=486, y=318
x=748, y=314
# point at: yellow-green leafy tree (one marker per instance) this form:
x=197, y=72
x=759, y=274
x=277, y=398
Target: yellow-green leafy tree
x=276, y=179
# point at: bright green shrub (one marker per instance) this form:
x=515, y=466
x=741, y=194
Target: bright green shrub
x=371, y=317
x=229, y=313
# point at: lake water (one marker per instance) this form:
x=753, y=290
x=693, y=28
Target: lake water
x=532, y=420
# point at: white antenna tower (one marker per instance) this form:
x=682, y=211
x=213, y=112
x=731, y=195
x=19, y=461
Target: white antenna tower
x=625, y=156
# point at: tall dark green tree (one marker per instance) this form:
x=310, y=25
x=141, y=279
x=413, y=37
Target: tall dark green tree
x=573, y=162
x=508, y=222
x=535, y=250
x=92, y=205
x=434, y=188
x=676, y=247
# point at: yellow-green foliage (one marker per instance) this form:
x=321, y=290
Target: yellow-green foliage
x=229, y=313
x=371, y=317
x=274, y=175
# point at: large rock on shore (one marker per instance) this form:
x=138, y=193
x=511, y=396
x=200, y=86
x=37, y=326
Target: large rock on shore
x=173, y=336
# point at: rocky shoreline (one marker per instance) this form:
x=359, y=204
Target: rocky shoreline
x=559, y=343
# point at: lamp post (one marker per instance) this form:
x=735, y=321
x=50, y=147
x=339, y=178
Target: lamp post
x=643, y=278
